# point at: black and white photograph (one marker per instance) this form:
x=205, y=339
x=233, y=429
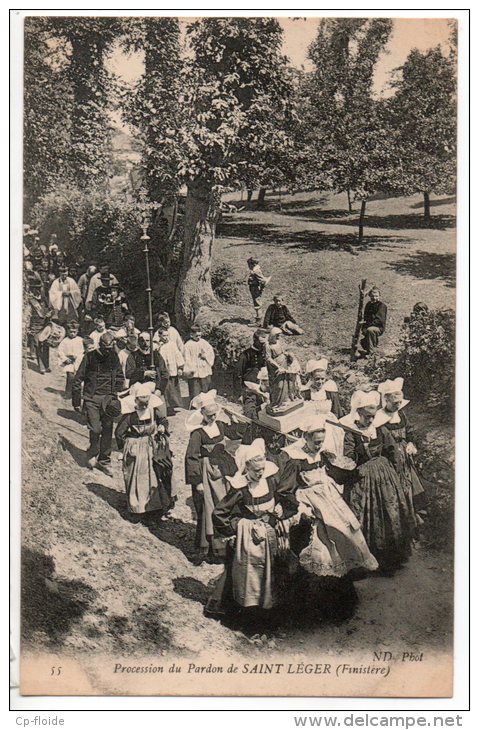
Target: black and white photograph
x=238, y=355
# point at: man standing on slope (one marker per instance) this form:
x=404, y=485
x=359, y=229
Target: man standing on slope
x=102, y=375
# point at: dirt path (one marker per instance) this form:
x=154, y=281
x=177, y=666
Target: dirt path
x=97, y=582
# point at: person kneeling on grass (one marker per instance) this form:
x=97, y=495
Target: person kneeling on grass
x=278, y=315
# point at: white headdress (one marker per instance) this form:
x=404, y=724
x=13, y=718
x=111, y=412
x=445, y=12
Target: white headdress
x=364, y=399
x=203, y=399
x=313, y=365
x=390, y=386
x=312, y=423
x=141, y=389
x=195, y=419
x=245, y=453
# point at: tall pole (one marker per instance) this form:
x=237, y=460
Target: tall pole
x=146, y=208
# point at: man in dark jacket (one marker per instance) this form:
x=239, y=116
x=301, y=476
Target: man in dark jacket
x=138, y=368
x=102, y=377
x=278, y=315
x=249, y=364
x=374, y=322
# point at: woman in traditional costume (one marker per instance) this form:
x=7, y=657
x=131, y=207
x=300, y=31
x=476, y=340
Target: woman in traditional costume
x=392, y=417
x=207, y=463
x=329, y=542
x=319, y=388
x=142, y=433
x=249, y=518
x=377, y=497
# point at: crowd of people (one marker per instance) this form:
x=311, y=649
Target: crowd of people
x=333, y=500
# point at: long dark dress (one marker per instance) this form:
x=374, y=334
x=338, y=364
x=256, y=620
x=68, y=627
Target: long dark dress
x=207, y=462
x=378, y=499
x=147, y=463
x=249, y=576
x=402, y=434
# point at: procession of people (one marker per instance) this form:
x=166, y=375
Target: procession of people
x=331, y=499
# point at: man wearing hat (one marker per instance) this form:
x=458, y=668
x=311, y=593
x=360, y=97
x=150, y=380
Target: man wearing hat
x=96, y=281
x=102, y=377
x=374, y=321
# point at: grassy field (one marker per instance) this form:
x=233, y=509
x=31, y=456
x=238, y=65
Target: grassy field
x=302, y=247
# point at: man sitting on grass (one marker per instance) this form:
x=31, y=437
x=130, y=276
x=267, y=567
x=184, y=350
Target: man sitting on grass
x=278, y=315
x=374, y=322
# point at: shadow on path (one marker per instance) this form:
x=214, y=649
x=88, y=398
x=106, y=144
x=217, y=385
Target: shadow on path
x=80, y=456
x=386, y=222
x=50, y=606
x=426, y=265
x=435, y=203
x=176, y=533
x=306, y=239
x=56, y=391
x=192, y=589
x=71, y=416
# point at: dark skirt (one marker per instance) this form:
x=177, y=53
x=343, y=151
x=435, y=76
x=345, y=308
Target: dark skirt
x=381, y=504
x=173, y=394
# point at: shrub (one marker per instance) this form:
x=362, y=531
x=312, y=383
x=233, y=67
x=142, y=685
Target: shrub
x=101, y=227
x=229, y=340
x=425, y=357
x=224, y=286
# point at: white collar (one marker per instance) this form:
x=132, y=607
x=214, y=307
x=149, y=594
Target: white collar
x=329, y=386
x=296, y=450
x=211, y=429
x=128, y=406
x=350, y=420
x=383, y=416
x=240, y=480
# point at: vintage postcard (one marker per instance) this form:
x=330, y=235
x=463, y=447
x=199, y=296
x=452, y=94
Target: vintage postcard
x=238, y=355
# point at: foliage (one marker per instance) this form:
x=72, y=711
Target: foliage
x=152, y=107
x=87, y=41
x=437, y=470
x=425, y=357
x=237, y=97
x=350, y=144
x=47, y=112
x=228, y=341
x=223, y=283
x=423, y=114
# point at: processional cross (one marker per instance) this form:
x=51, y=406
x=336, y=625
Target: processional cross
x=146, y=207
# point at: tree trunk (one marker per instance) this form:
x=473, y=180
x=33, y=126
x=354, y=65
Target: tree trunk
x=261, y=197
x=250, y=194
x=350, y=205
x=427, y=206
x=361, y=221
x=194, y=282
